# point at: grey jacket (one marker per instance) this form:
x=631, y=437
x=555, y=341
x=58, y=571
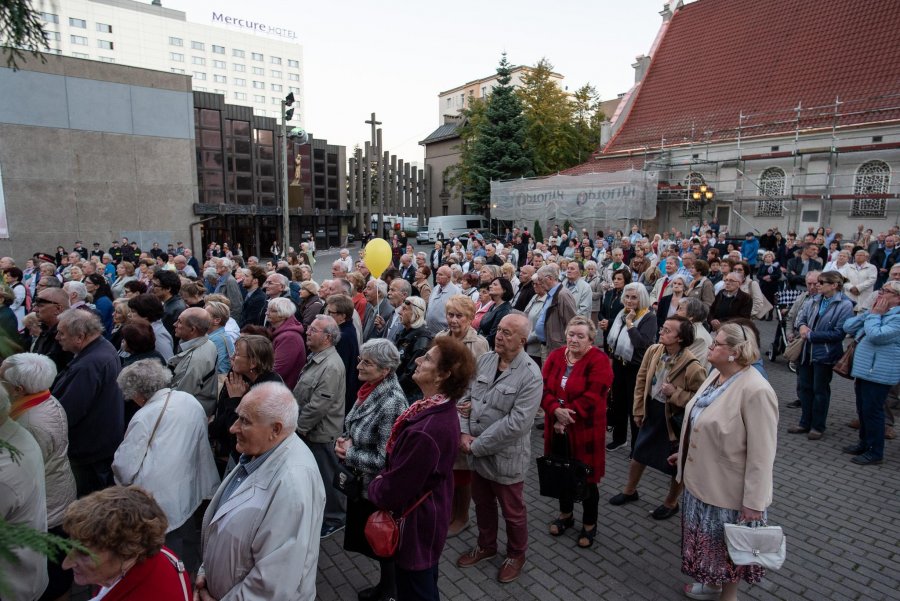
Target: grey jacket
x=232, y=290
x=320, y=394
x=195, y=371
x=502, y=415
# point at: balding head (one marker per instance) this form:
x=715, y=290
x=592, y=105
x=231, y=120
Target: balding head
x=511, y=335
x=192, y=323
x=267, y=415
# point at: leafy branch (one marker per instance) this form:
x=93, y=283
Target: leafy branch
x=21, y=30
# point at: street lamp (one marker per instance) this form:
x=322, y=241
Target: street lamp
x=286, y=219
x=703, y=195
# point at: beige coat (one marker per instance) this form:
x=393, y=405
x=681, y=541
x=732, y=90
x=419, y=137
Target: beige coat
x=728, y=458
x=320, y=395
x=686, y=375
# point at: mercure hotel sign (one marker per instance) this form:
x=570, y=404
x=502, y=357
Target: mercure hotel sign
x=253, y=25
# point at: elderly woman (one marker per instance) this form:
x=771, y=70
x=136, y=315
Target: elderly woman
x=219, y=314
x=310, y=303
x=501, y=293
x=761, y=306
x=124, y=274
x=27, y=378
x=468, y=283
x=361, y=447
x=697, y=312
x=668, y=304
x=769, y=276
x=138, y=342
x=592, y=277
x=134, y=288
x=725, y=462
x=612, y=303
x=420, y=284
x=420, y=451
x=483, y=303
x=701, y=287
x=460, y=310
x=630, y=335
x=874, y=369
x=412, y=342
x=287, y=340
x=668, y=379
x=577, y=379
x=252, y=363
x=821, y=325
x=509, y=272
x=123, y=530
x=534, y=309
x=860, y=285
x=121, y=315
x=165, y=449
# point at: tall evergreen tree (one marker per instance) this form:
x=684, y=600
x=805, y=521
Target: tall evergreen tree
x=588, y=118
x=550, y=120
x=498, y=147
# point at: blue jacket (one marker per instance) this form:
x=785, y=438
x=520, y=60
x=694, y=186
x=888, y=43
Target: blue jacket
x=878, y=353
x=750, y=250
x=826, y=338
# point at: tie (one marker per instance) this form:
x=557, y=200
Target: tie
x=662, y=291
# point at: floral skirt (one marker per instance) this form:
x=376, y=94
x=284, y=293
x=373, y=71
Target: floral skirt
x=704, y=554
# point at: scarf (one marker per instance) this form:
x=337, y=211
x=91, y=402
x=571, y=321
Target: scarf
x=622, y=346
x=366, y=389
x=27, y=402
x=405, y=417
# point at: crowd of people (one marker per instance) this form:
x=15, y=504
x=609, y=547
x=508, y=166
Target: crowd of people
x=160, y=405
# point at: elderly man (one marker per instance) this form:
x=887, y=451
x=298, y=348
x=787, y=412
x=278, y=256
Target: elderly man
x=346, y=260
x=259, y=532
x=320, y=396
x=23, y=502
x=276, y=285
x=390, y=328
x=229, y=286
x=339, y=270
x=798, y=267
x=340, y=308
x=579, y=289
x=884, y=259
x=504, y=398
x=730, y=302
x=377, y=305
x=88, y=391
x=436, y=314
x=526, y=288
x=559, y=308
x=182, y=267
x=77, y=296
x=194, y=365
x=166, y=286
x=48, y=306
x=407, y=269
x=491, y=257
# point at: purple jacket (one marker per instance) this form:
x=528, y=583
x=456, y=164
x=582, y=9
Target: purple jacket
x=290, y=351
x=422, y=460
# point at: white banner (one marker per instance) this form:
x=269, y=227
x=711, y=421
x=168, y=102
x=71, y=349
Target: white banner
x=4, y=225
x=593, y=200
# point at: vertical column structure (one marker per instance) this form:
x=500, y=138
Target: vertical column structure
x=353, y=203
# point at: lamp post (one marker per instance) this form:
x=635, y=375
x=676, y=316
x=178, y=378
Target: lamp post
x=286, y=116
x=703, y=195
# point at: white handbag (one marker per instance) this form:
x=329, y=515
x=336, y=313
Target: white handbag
x=763, y=545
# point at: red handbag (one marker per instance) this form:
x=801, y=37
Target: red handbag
x=383, y=531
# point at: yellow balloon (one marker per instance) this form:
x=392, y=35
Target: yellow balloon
x=377, y=256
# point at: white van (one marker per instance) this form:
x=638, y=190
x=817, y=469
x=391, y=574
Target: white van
x=454, y=225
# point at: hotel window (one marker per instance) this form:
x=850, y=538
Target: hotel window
x=239, y=82
x=198, y=60
x=220, y=79
x=257, y=98
x=259, y=85
x=239, y=67
x=293, y=89
x=275, y=73
x=259, y=71
x=198, y=45
x=179, y=71
x=294, y=76
x=276, y=87
x=50, y=18
x=199, y=75
x=293, y=63
x=175, y=56
x=276, y=101
x=78, y=40
x=52, y=36
x=104, y=28
x=107, y=59
x=219, y=64
x=256, y=56
x=218, y=49
x=105, y=44
x=276, y=60
x=176, y=42
x=80, y=55
x=240, y=96
x=79, y=23
x=237, y=53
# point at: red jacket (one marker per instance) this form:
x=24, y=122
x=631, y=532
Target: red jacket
x=154, y=579
x=586, y=391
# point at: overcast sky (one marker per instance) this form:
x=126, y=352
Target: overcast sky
x=393, y=57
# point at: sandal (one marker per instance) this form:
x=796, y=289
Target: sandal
x=562, y=524
x=587, y=535
x=701, y=592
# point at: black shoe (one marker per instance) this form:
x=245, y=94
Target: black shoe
x=867, y=459
x=794, y=404
x=854, y=449
x=330, y=529
x=798, y=430
x=615, y=445
x=373, y=593
x=663, y=513
x=622, y=498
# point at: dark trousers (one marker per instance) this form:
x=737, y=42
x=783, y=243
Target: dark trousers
x=621, y=405
x=814, y=391
x=870, y=398
x=335, y=501
x=418, y=585
x=60, y=579
x=92, y=476
x=590, y=504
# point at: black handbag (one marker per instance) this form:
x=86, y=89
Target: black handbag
x=560, y=474
x=348, y=482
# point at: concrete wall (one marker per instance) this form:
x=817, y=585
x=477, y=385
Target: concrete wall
x=439, y=156
x=94, y=151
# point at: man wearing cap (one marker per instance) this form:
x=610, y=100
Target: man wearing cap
x=97, y=251
x=81, y=250
x=115, y=252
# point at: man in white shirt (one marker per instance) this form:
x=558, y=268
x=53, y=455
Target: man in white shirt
x=435, y=315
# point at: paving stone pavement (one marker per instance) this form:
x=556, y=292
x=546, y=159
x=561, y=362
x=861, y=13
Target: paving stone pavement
x=842, y=524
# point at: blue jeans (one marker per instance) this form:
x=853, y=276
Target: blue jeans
x=870, y=398
x=814, y=391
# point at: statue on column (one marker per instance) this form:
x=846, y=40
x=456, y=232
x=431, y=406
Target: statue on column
x=298, y=169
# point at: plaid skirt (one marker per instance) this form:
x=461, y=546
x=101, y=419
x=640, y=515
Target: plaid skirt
x=704, y=554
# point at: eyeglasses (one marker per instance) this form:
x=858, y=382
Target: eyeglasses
x=365, y=362
x=44, y=301
x=716, y=343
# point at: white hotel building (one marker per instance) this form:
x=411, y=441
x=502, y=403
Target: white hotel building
x=250, y=63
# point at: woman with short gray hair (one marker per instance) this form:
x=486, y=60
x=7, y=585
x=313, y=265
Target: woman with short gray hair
x=287, y=340
x=696, y=311
x=362, y=447
x=165, y=449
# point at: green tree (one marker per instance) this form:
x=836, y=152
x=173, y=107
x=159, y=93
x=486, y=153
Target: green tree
x=588, y=118
x=497, y=146
x=21, y=29
x=550, y=117
x=460, y=174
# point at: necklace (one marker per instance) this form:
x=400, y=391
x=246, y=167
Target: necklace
x=569, y=360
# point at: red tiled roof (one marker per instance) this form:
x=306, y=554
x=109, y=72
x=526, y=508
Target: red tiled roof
x=607, y=165
x=722, y=58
